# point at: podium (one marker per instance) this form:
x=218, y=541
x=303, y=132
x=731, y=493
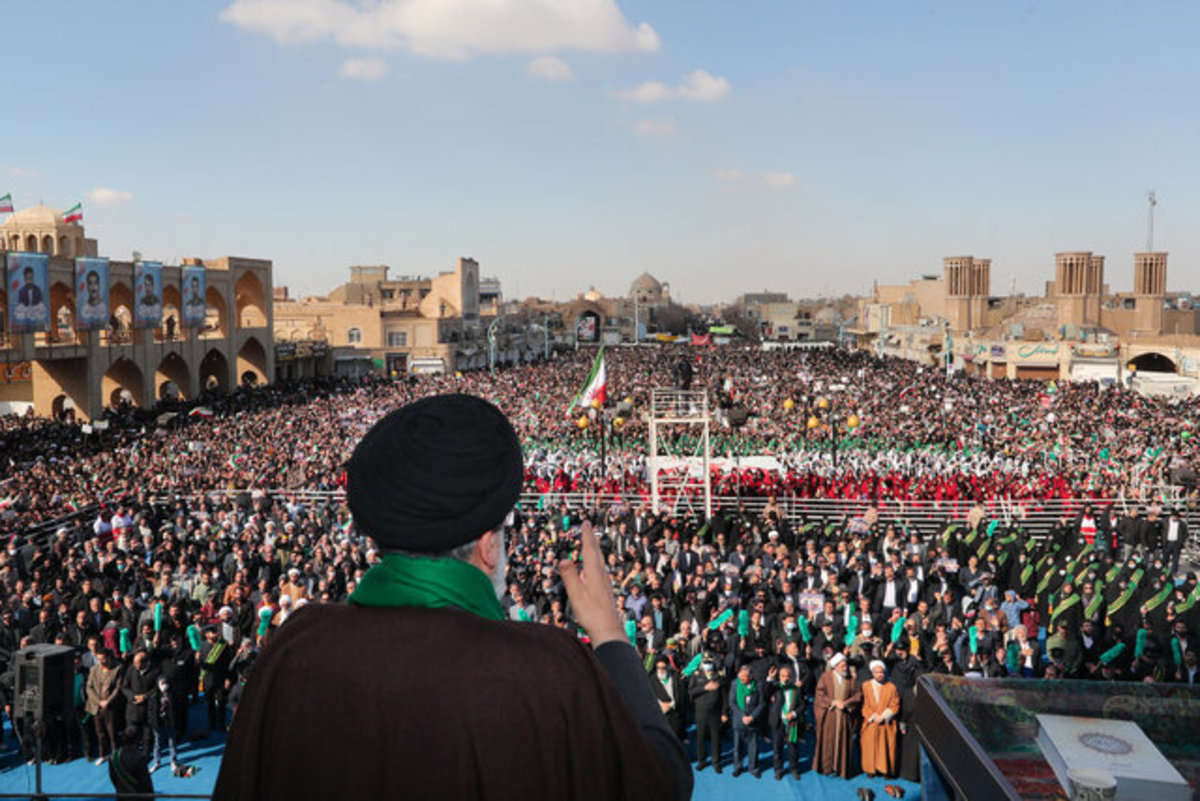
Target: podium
x=979, y=736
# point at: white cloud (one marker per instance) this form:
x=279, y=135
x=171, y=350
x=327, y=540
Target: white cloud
x=779, y=180
x=16, y=171
x=362, y=69
x=549, y=68
x=663, y=126
x=104, y=196
x=703, y=87
x=700, y=86
x=768, y=180
x=456, y=29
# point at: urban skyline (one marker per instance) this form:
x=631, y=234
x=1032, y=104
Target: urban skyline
x=809, y=150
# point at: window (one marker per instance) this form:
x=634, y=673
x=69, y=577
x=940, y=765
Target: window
x=354, y=336
x=397, y=339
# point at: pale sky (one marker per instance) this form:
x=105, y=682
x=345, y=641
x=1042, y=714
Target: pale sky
x=806, y=147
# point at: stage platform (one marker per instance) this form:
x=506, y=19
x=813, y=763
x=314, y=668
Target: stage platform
x=87, y=781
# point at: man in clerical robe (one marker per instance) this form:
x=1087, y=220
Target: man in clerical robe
x=880, y=706
x=419, y=687
x=834, y=705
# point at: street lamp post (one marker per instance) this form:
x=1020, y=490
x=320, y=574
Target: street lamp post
x=491, y=337
x=824, y=414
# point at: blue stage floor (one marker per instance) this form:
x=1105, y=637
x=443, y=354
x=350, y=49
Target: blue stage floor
x=83, y=779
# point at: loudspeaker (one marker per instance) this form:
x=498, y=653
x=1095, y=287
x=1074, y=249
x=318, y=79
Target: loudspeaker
x=44, y=679
x=738, y=416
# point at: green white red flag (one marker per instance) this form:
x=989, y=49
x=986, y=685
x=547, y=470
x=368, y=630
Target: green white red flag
x=74, y=214
x=6, y=206
x=596, y=386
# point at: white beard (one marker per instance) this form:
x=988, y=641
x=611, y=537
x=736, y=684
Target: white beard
x=500, y=574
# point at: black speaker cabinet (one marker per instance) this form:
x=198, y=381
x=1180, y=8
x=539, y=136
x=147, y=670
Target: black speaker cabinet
x=44, y=679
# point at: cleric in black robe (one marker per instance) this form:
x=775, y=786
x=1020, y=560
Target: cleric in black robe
x=418, y=688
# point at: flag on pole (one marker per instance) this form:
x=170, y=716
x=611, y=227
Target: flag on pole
x=596, y=385
x=201, y=411
x=6, y=206
x=74, y=214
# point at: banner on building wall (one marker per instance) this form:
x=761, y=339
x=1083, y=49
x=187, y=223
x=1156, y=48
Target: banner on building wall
x=195, y=288
x=147, y=300
x=91, y=293
x=28, y=292
x=587, y=327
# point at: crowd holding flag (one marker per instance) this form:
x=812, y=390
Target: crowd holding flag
x=595, y=388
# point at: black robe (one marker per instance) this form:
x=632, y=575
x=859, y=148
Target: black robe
x=385, y=703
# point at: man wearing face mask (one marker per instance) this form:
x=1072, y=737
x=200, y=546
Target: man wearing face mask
x=707, y=693
x=425, y=689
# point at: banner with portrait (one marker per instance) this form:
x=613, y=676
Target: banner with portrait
x=28, y=292
x=91, y=293
x=587, y=327
x=147, y=295
x=195, y=287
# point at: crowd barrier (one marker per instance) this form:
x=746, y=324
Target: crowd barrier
x=926, y=518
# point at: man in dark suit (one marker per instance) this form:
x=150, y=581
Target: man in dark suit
x=668, y=691
x=1174, y=537
x=746, y=706
x=704, y=689
x=889, y=594
x=140, y=689
x=786, y=720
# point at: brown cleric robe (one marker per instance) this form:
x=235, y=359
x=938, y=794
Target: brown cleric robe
x=360, y=703
x=878, y=740
x=835, y=728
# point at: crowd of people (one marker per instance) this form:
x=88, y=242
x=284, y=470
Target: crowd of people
x=167, y=548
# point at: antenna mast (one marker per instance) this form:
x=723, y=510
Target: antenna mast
x=1150, y=222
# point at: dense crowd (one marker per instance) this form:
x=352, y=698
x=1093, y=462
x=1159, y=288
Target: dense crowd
x=183, y=543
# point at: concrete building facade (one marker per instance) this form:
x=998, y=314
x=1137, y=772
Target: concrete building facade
x=399, y=324
x=82, y=372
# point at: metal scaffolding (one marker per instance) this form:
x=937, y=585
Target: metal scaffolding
x=672, y=408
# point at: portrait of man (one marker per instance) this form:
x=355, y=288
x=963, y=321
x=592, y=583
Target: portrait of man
x=29, y=311
x=93, y=311
x=195, y=302
x=149, y=295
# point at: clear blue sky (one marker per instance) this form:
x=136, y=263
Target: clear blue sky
x=809, y=147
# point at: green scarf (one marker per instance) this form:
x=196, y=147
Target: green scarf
x=1157, y=600
x=743, y=692
x=1026, y=574
x=215, y=652
x=789, y=705
x=720, y=619
x=1190, y=602
x=1066, y=604
x=433, y=583
x=1093, y=607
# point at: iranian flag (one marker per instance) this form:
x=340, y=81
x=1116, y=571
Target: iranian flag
x=74, y=214
x=6, y=206
x=595, y=386
x=202, y=411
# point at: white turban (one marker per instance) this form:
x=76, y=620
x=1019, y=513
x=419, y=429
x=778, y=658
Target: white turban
x=875, y=662
x=836, y=660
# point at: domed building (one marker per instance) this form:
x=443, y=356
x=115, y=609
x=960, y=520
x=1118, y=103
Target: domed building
x=40, y=229
x=648, y=291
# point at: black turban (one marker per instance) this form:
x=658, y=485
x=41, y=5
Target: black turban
x=435, y=474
